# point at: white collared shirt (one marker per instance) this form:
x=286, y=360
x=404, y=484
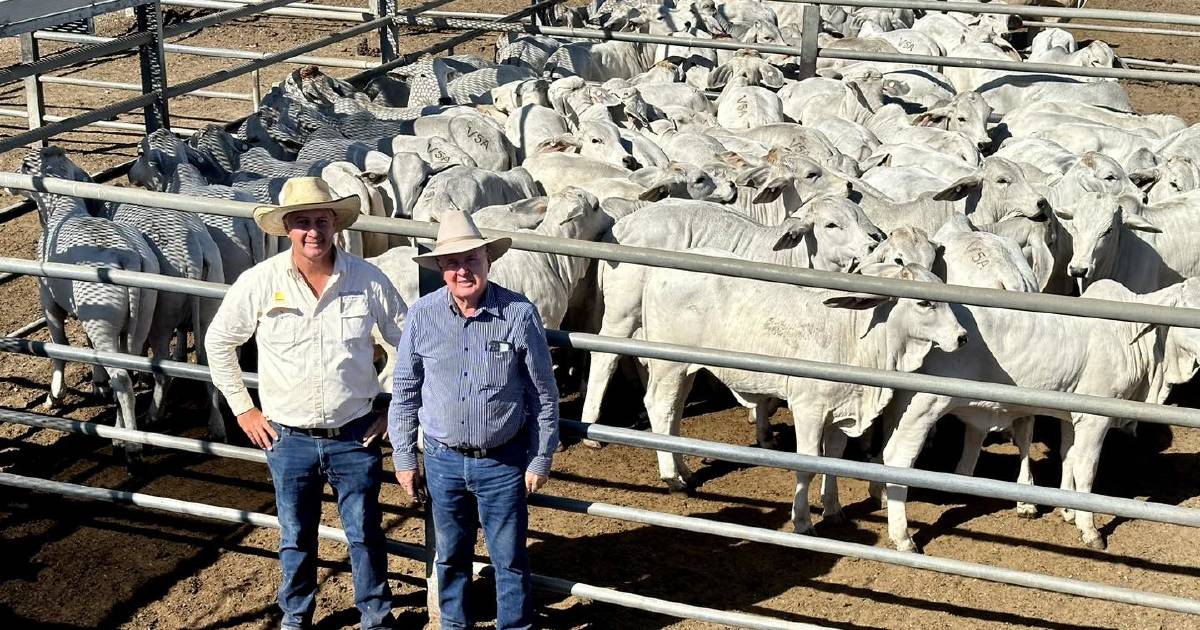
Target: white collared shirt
x=315, y=356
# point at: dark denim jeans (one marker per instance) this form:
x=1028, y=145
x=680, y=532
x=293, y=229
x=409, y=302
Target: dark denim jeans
x=300, y=465
x=466, y=492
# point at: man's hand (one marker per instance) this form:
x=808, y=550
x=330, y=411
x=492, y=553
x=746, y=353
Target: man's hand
x=378, y=429
x=256, y=427
x=412, y=483
x=534, y=481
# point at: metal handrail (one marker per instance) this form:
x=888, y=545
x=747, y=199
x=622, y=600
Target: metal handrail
x=824, y=53
x=816, y=544
x=873, y=377
x=1037, y=302
x=397, y=548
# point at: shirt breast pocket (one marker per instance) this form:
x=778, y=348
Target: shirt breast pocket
x=356, y=317
x=500, y=369
x=280, y=326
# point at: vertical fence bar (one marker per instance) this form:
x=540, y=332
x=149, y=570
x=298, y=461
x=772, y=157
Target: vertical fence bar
x=34, y=102
x=389, y=34
x=432, y=598
x=255, y=91
x=810, y=27
x=154, y=66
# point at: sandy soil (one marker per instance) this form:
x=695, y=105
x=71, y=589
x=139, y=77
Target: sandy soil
x=72, y=564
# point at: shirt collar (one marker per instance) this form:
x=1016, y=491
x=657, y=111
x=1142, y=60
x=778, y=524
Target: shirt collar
x=488, y=304
x=339, y=263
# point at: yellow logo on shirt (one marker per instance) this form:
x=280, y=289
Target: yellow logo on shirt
x=280, y=297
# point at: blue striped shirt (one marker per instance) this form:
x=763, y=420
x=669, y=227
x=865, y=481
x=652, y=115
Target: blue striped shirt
x=474, y=381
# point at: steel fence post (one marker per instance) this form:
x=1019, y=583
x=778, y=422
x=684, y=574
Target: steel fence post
x=432, y=601
x=34, y=102
x=154, y=66
x=810, y=27
x=389, y=34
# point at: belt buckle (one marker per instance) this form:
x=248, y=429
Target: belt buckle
x=471, y=451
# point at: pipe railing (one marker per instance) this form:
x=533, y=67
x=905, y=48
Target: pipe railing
x=131, y=87
x=397, y=548
x=947, y=566
x=1036, y=302
x=101, y=124
x=995, y=8
x=823, y=53
x=120, y=44
x=187, y=86
x=225, y=53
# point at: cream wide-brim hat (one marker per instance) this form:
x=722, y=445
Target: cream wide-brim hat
x=306, y=193
x=456, y=234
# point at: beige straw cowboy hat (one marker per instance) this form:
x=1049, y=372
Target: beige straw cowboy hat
x=456, y=234
x=306, y=193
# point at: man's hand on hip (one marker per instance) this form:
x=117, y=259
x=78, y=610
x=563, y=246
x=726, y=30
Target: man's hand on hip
x=256, y=427
x=412, y=483
x=534, y=481
x=378, y=429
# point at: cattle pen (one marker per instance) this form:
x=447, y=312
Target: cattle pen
x=386, y=19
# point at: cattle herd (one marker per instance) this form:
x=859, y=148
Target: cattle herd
x=987, y=178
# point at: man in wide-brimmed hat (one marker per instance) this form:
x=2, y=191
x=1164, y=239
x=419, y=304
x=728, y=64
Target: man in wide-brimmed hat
x=311, y=310
x=473, y=370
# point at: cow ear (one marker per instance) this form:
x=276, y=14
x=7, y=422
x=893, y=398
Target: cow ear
x=752, y=177
x=855, y=301
x=532, y=205
x=1145, y=178
x=656, y=193
x=878, y=159
x=1139, y=223
x=772, y=77
x=794, y=229
x=773, y=189
x=960, y=188
x=646, y=177
x=931, y=119
x=558, y=143
x=1041, y=259
x=719, y=77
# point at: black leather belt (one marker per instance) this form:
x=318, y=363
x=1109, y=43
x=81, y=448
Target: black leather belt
x=320, y=433
x=472, y=452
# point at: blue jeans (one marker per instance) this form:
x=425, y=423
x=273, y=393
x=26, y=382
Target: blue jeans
x=300, y=465
x=466, y=492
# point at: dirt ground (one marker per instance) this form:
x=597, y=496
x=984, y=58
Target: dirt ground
x=71, y=564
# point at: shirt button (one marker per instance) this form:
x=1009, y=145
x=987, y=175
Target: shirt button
x=464, y=373
x=464, y=397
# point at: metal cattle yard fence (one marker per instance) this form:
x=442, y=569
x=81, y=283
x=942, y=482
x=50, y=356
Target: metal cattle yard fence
x=385, y=19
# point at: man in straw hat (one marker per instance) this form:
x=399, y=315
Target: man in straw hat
x=311, y=310
x=473, y=370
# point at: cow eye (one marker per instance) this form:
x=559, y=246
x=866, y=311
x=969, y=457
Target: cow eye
x=1110, y=178
x=595, y=140
x=925, y=304
x=832, y=226
x=1002, y=180
x=812, y=176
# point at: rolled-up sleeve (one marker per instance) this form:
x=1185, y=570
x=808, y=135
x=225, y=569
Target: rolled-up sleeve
x=234, y=324
x=542, y=393
x=406, y=400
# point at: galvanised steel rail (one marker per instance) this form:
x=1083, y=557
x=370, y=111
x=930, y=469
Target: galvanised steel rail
x=130, y=87
x=187, y=86
x=397, y=548
x=72, y=57
x=225, y=53
x=103, y=124
x=1035, y=302
x=1104, y=28
x=941, y=6
x=1081, y=588
x=824, y=53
